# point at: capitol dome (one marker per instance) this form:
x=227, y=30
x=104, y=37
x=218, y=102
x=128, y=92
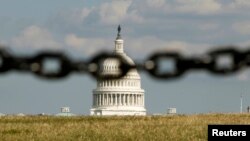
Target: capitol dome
x=122, y=96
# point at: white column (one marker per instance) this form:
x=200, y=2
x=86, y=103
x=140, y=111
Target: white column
x=123, y=99
x=137, y=98
x=107, y=99
x=103, y=99
x=128, y=102
x=140, y=100
x=137, y=101
x=103, y=96
x=115, y=99
x=95, y=100
x=132, y=99
x=112, y=99
x=99, y=99
x=120, y=100
x=126, y=99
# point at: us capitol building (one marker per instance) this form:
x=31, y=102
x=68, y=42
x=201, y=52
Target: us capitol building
x=122, y=96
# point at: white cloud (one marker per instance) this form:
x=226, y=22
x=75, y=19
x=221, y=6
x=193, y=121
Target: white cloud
x=197, y=6
x=35, y=37
x=143, y=46
x=242, y=27
x=74, y=41
x=79, y=15
x=236, y=4
x=88, y=46
x=150, y=43
x=183, y=6
x=156, y=3
x=73, y=17
x=114, y=12
x=208, y=26
x=133, y=16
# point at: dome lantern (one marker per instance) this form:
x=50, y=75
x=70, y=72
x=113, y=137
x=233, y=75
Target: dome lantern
x=119, y=42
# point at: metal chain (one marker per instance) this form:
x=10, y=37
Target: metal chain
x=240, y=59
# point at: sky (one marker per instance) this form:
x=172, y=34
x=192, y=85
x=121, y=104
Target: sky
x=82, y=28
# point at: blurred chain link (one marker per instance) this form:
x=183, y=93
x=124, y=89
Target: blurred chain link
x=239, y=59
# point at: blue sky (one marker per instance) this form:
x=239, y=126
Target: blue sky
x=81, y=28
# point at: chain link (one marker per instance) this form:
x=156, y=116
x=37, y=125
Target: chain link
x=240, y=59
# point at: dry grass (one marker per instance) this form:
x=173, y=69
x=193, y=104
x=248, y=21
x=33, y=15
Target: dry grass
x=85, y=128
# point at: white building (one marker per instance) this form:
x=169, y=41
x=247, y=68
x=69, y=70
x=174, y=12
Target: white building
x=171, y=111
x=65, y=111
x=119, y=96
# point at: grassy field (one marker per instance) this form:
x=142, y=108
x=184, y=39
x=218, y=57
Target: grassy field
x=84, y=128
